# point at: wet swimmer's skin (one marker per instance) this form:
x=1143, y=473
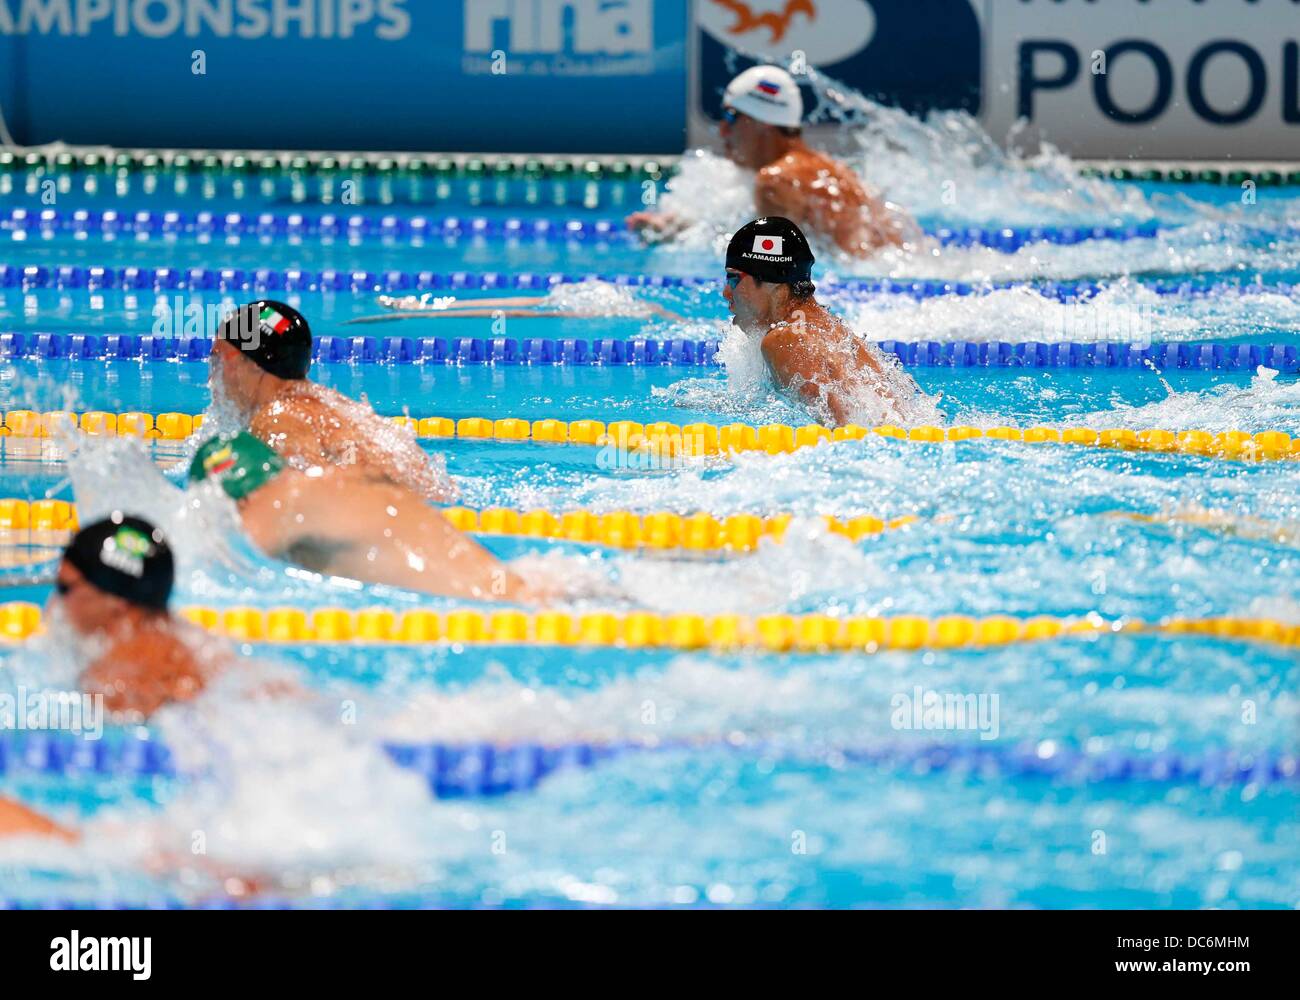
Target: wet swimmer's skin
x=335, y=521
x=16, y=820
x=112, y=590
x=812, y=355
x=760, y=130
x=260, y=358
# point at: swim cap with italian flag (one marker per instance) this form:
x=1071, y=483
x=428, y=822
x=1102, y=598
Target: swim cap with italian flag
x=767, y=94
x=771, y=249
x=242, y=464
x=272, y=335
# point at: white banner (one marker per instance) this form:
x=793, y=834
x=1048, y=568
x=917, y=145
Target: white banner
x=1165, y=79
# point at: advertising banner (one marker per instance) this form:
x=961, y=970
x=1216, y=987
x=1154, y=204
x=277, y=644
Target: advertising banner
x=487, y=75
x=1104, y=78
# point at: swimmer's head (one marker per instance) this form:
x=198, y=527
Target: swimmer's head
x=241, y=464
x=272, y=337
x=760, y=107
x=769, y=264
x=119, y=559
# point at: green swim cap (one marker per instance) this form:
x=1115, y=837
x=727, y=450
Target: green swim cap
x=242, y=463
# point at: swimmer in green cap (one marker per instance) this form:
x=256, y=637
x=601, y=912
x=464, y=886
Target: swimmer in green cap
x=337, y=521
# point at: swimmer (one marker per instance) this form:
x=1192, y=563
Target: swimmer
x=761, y=114
x=336, y=521
x=112, y=589
x=811, y=354
x=260, y=358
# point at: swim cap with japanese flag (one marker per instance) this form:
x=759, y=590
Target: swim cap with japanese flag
x=272, y=335
x=771, y=249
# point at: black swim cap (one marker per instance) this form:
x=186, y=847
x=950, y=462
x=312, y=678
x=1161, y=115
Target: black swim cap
x=272, y=335
x=125, y=556
x=771, y=249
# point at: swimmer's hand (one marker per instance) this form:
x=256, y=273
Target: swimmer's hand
x=655, y=225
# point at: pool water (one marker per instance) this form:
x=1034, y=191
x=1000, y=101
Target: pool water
x=752, y=778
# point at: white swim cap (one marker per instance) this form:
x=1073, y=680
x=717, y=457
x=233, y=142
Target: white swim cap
x=767, y=94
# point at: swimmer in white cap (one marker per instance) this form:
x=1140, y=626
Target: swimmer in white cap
x=761, y=114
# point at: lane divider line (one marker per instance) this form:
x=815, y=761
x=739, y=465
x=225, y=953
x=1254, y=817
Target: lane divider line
x=416, y=229
x=808, y=633
x=647, y=352
x=51, y=522
x=484, y=769
x=33, y=277
x=665, y=440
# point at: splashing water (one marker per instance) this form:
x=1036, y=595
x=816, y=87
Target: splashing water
x=946, y=169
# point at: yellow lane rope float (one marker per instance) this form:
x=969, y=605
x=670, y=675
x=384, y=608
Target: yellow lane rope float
x=50, y=522
x=697, y=439
x=648, y=630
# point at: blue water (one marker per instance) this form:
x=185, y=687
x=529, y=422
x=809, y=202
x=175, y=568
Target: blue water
x=1002, y=528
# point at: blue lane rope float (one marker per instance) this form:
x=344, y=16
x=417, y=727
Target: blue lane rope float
x=645, y=352
x=358, y=226
x=482, y=770
x=34, y=277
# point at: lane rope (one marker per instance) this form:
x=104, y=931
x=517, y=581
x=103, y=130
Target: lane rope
x=51, y=522
x=33, y=277
x=807, y=633
x=644, y=352
x=663, y=440
x=416, y=229
x=245, y=163
x=483, y=769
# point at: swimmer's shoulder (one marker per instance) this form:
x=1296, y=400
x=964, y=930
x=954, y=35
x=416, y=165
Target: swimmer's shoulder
x=151, y=667
x=301, y=401
x=783, y=343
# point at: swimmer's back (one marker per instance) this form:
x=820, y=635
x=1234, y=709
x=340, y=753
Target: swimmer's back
x=314, y=425
x=151, y=668
x=819, y=192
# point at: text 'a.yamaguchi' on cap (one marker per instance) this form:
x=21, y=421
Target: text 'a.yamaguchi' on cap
x=771, y=249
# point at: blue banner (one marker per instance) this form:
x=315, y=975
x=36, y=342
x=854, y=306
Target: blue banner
x=482, y=75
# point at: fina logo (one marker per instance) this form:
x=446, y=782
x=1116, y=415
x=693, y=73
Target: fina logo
x=537, y=27
x=826, y=31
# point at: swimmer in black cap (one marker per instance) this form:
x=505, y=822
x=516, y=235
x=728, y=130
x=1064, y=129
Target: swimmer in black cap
x=337, y=522
x=260, y=358
x=810, y=353
x=112, y=589
x=762, y=111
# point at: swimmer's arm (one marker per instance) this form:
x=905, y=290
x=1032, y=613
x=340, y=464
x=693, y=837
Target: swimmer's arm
x=476, y=314
x=654, y=307
x=659, y=225
x=16, y=820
